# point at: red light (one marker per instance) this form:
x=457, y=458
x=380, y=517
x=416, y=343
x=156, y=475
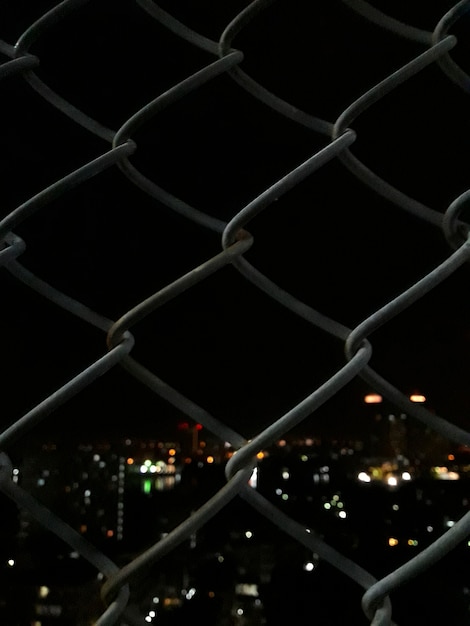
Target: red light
x=183, y=426
x=198, y=427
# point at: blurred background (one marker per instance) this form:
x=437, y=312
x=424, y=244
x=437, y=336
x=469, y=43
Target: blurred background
x=331, y=241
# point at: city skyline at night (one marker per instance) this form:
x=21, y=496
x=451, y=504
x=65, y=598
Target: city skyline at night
x=124, y=494
x=234, y=265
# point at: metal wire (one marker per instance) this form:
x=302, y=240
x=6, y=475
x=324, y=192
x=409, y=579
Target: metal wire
x=340, y=137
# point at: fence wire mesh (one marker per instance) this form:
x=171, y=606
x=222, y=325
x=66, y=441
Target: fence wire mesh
x=95, y=235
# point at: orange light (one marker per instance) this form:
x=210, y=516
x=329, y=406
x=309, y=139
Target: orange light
x=109, y=533
x=373, y=398
x=130, y=461
x=417, y=397
x=451, y=457
x=260, y=455
x=392, y=542
x=210, y=459
x=172, y=452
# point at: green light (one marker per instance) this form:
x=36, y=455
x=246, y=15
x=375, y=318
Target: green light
x=147, y=486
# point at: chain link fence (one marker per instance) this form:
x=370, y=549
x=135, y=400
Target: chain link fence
x=38, y=78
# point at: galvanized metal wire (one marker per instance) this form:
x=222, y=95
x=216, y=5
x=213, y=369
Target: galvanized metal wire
x=339, y=137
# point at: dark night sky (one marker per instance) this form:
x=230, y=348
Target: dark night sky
x=331, y=241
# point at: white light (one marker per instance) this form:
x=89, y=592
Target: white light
x=363, y=477
x=406, y=476
x=87, y=493
x=342, y=514
x=309, y=567
x=11, y=562
x=148, y=618
x=285, y=475
x=144, y=469
x=392, y=481
x=152, y=613
x=327, y=505
x=248, y=534
x=450, y=523
x=239, y=611
x=191, y=593
x=247, y=589
x=253, y=482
